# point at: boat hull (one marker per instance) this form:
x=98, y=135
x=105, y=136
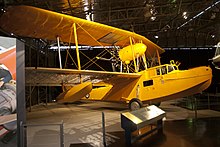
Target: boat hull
x=179, y=84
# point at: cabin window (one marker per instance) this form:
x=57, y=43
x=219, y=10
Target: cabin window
x=163, y=70
x=148, y=83
x=158, y=71
x=170, y=68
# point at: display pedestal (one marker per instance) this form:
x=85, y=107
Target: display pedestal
x=140, y=123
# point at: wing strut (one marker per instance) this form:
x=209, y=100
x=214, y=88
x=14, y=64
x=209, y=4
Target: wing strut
x=135, y=66
x=58, y=44
x=158, y=57
x=77, y=51
x=144, y=59
x=77, y=48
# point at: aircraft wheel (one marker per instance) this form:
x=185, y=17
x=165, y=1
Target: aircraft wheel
x=135, y=104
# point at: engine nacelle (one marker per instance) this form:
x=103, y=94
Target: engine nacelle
x=130, y=52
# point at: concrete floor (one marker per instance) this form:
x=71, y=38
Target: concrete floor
x=83, y=126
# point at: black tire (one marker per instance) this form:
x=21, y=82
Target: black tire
x=135, y=104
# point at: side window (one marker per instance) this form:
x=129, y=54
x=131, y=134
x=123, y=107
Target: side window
x=158, y=71
x=170, y=68
x=163, y=70
x=148, y=83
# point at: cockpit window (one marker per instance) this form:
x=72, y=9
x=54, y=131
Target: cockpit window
x=158, y=71
x=170, y=68
x=163, y=70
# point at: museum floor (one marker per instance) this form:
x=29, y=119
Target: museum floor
x=83, y=126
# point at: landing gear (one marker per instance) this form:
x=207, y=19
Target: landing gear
x=135, y=104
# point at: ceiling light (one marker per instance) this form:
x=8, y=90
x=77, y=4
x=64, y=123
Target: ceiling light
x=3, y=10
x=199, y=14
x=213, y=36
x=152, y=18
x=185, y=15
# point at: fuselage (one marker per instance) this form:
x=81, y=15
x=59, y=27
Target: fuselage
x=168, y=82
x=158, y=84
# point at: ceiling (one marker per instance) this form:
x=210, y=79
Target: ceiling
x=169, y=23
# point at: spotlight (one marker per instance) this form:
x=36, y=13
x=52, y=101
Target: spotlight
x=152, y=18
x=185, y=15
x=3, y=10
x=213, y=36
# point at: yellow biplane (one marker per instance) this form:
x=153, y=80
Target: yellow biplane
x=151, y=84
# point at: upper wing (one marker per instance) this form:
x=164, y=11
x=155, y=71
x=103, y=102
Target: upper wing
x=39, y=23
x=70, y=77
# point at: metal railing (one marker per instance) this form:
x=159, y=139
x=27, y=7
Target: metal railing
x=42, y=137
x=201, y=101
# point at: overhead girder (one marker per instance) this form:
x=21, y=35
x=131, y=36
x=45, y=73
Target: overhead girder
x=168, y=18
x=130, y=15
